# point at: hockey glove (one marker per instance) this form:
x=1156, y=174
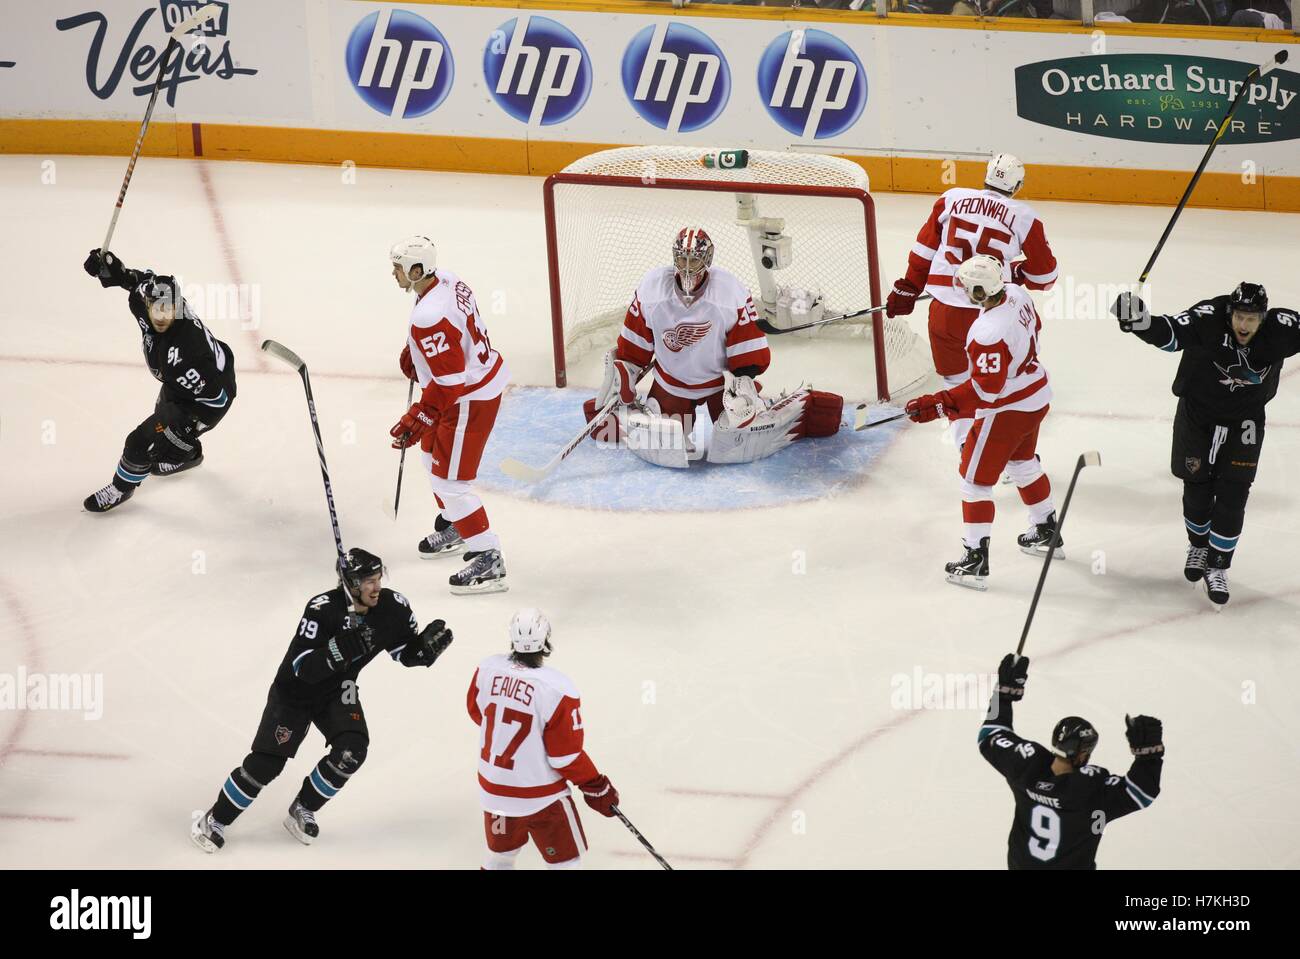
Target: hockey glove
x=902, y=298
x=1018, y=273
x=600, y=795
x=412, y=426
x=408, y=368
x=1131, y=312
x=107, y=268
x=1145, y=735
x=923, y=409
x=620, y=381
x=349, y=645
x=432, y=643
x=1012, y=673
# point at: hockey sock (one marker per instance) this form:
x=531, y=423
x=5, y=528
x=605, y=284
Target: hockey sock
x=977, y=517
x=241, y=788
x=1226, y=521
x=1035, y=488
x=1198, y=507
x=129, y=475
x=330, y=775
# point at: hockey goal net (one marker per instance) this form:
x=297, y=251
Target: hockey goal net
x=799, y=229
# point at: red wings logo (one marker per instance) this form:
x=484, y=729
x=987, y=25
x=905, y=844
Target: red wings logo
x=687, y=334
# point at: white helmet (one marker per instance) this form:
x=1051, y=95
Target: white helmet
x=981, y=272
x=530, y=631
x=413, y=251
x=1005, y=173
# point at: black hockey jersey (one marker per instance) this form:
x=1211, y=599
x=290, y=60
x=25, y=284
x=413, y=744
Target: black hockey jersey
x=309, y=671
x=1225, y=380
x=194, y=367
x=1059, y=820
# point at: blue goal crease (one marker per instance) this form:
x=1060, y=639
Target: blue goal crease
x=535, y=422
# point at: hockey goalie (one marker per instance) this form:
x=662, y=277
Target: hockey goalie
x=697, y=324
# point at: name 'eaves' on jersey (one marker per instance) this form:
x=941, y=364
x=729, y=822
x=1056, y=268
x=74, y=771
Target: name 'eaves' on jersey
x=1227, y=380
x=1059, y=820
x=192, y=365
x=308, y=671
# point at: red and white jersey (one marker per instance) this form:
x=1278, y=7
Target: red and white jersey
x=530, y=736
x=964, y=222
x=453, y=358
x=695, y=344
x=1003, y=349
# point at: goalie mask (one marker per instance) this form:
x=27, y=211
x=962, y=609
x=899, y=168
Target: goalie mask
x=692, y=257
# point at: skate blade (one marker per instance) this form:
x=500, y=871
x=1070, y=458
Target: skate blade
x=450, y=551
x=969, y=582
x=1042, y=551
x=202, y=841
x=492, y=586
x=291, y=826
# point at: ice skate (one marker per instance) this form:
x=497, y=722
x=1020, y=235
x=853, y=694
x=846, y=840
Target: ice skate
x=971, y=570
x=1037, y=540
x=1194, y=566
x=1216, y=586
x=207, y=833
x=110, y=497
x=485, y=573
x=171, y=469
x=446, y=542
x=301, y=823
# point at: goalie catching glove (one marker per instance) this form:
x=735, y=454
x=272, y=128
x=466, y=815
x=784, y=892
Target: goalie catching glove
x=418, y=419
x=620, y=381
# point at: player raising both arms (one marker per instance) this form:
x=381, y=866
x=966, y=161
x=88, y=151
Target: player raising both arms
x=1006, y=395
x=964, y=222
x=196, y=370
x=697, y=323
x=1063, y=803
x=340, y=632
x=1233, y=347
x=461, y=379
x=530, y=739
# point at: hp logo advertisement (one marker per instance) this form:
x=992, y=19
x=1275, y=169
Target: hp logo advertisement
x=676, y=77
x=400, y=64
x=537, y=70
x=812, y=84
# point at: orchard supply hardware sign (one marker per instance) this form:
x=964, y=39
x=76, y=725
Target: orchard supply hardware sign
x=1158, y=98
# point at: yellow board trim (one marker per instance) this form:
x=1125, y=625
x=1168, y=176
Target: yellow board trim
x=869, y=19
x=413, y=151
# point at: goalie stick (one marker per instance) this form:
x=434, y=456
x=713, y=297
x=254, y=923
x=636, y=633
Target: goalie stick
x=532, y=474
x=1092, y=458
x=1256, y=72
x=768, y=328
x=645, y=842
x=283, y=353
x=202, y=15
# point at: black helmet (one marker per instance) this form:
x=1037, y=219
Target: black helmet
x=164, y=288
x=360, y=564
x=1073, y=737
x=1249, y=298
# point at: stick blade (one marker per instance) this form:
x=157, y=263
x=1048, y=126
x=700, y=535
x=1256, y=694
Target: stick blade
x=860, y=417
x=521, y=471
x=203, y=14
x=1091, y=458
x=282, y=352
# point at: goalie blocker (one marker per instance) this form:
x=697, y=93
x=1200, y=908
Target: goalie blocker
x=746, y=425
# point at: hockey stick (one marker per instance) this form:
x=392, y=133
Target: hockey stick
x=531, y=474
x=1092, y=458
x=768, y=328
x=282, y=352
x=401, y=463
x=202, y=15
x=860, y=419
x=645, y=842
x=1256, y=72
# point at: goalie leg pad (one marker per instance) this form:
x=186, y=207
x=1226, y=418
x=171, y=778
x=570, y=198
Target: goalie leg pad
x=774, y=428
x=655, y=438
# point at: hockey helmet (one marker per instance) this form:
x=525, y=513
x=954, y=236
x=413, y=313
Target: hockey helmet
x=692, y=257
x=983, y=273
x=358, y=565
x=1005, y=174
x=530, y=632
x=1073, y=739
x=1249, y=298
x=414, y=251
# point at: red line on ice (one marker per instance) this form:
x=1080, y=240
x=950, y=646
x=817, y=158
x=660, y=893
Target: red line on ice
x=228, y=250
x=65, y=754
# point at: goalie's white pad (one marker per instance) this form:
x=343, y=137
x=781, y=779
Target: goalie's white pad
x=740, y=400
x=657, y=439
x=804, y=412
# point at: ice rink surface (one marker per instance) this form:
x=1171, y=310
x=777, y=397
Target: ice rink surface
x=741, y=670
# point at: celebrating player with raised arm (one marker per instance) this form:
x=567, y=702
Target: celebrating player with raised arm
x=697, y=323
x=530, y=738
x=1006, y=394
x=1233, y=347
x=317, y=685
x=962, y=223
x=461, y=379
x=1063, y=803
x=196, y=370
